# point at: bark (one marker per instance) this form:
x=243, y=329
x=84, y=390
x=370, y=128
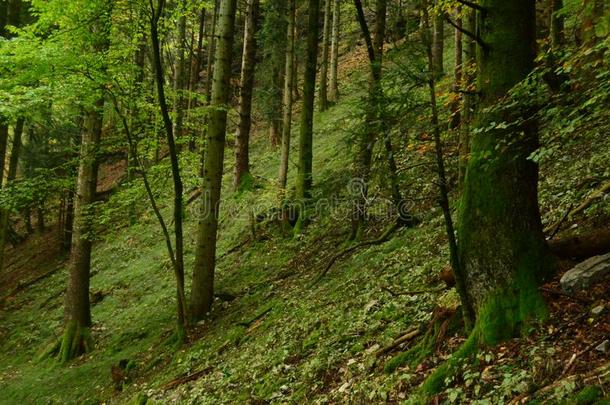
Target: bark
x=288, y=87
x=242, y=141
x=457, y=75
x=305, y=177
x=10, y=177
x=195, y=75
x=202, y=294
x=76, y=339
x=176, y=177
x=333, y=85
x=502, y=251
x=3, y=145
x=467, y=115
x=180, y=76
x=323, y=96
x=557, y=24
x=438, y=43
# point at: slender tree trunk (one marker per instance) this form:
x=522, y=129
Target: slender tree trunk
x=502, y=250
x=76, y=339
x=557, y=24
x=289, y=80
x=323, y=97
x=467, y=115
x=202, y=294
x=180, y=76
x=457, y=74
x=195, y=75
x=40, y=222
x=304, y=176
x=438, y=43
x=66, y=236
x=3, y=145
x=242, y=140
x=373, y=116
x=175, y=165
x=333, y=91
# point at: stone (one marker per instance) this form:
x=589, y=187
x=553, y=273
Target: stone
x=586, y=273
x=603, y=346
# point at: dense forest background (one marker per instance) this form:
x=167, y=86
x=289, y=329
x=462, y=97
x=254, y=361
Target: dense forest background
x=295, y=201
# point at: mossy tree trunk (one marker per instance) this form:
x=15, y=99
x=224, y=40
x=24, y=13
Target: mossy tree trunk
x=76, y=339
x=305, y=177
x=502, y=250
x=323, y=96
x=333, y=84
x=288, y=99
x=180, y=82
x=242, y=140
x=202, y=293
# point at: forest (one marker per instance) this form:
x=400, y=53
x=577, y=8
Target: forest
x=305, y=201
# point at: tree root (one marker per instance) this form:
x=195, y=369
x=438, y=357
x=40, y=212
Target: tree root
x=76, y=341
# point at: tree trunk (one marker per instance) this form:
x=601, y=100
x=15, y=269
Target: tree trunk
x=557, y=24
x=438, y=43
x=202, y=294
x=373, y=115
x=469, y=73
x=3, y=145
x=288, y=85
x=76, y=339
x=323, y=96
x=242, y=141
x=68, y=216
x=502, y=250
x=457, y=75
x=178, y=263
x=180, y=78
x=304, y=176
x=333, y=90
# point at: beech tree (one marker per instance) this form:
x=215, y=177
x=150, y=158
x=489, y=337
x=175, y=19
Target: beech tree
x=333, y=85
x=324, y=63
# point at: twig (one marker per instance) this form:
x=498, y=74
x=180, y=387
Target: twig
x=558, y=224
x=472, y=5
x=247, y=324
x=406, y=337
x=575, y=356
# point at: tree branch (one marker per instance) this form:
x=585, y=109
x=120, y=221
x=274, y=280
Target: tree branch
x=464, y=31
x=472, y=5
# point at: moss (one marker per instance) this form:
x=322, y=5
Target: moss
x=76, y=340
x=587, y=396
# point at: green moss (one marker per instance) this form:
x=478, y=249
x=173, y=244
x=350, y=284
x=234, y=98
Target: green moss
x=76, y=340
x=587, y=396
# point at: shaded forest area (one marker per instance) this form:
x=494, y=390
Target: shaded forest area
x=305, y=201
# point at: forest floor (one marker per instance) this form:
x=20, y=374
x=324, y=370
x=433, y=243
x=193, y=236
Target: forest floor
x=278, y=332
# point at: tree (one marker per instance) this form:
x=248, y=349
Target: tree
x=323, y=97
x=502, y=250
x=438, y=40
x=242, y=140
x=305, y=176
x=469, y=75
x=288, y=98
x=333, y=91
x=202, y=294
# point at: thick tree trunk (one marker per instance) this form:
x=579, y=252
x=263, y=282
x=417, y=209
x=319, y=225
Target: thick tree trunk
x=76, y=339
x=469, y=74
x=288, y=85
x=323, y=96
x=202, y=294
x=242, y=140
x=304, y=176
x=502, y=250
x=333, y=85
x=438, y=43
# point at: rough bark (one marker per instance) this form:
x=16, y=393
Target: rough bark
x=323, y=95
x=333, y=85
x=242, y=140
x=289, y=80
x=502, y=251
x=202, y=294
x=305, y=176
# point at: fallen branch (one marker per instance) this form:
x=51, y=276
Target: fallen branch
x=23, y=285
x=247, y=324
x=406, y=337
x=593, y=243
x=383, y=238
x=185, y=379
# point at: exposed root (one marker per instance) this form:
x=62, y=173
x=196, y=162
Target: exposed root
x=75, y=342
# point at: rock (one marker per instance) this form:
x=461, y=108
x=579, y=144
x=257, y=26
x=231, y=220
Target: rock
x=598, y=310
x=603, y=346
x=585, y=274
